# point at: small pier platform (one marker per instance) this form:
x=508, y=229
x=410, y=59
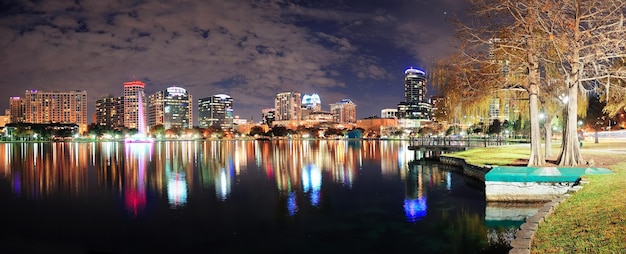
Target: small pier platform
x=453, y=143
x=533, y=184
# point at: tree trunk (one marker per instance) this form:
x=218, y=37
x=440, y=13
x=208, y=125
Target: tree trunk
x=547, y=125
x=570, y=149
x=536, y=157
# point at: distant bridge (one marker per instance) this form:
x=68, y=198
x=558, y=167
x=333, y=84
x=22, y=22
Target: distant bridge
x=453, y=143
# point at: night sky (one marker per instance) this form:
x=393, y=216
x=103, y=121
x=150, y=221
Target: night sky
x=247, y=49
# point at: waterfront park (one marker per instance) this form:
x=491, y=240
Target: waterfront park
x=588, y=221
x=560, y=72
x=556, y=62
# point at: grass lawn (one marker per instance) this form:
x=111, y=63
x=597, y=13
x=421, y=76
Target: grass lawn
x=500, y=155
x=592, y=220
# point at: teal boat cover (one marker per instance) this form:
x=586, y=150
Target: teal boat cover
x=540, y=174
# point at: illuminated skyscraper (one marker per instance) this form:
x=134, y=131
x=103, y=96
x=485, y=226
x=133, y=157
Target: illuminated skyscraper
x=344, y=111
x=312, y=102
x=416, y=104
x=172, y=108
x=287, y=106
x=132, y=91
x=217, y=111
x=17, y=110
x=56, y=107
x=110, y=112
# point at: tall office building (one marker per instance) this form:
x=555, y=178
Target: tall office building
x=287, y=106
x=134, y=104
x=56, y=107
x=110, y=112
x=172, y=108
x=344, y=111
x=440, y=110
x=217, y=111
x=416, y=104
x=311, y=104
x=269, y=115
x=17, y=110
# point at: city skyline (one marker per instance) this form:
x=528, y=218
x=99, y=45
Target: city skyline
x=248, y=50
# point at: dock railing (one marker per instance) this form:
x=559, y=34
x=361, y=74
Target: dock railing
x=455, y=142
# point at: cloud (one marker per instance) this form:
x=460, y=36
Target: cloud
x=232, y=47
x=250, y=50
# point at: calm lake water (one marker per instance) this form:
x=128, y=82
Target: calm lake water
x=315, y=196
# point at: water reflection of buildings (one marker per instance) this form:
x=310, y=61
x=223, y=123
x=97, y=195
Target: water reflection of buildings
x=415, y=206
x=298, y=168
x=312, y=183
x=137, y=157
x=219, y=164
x=40, y=169
x=303, y=165
x=176, y=169
x=290, y=160
x=300, y=165
x=420, y=178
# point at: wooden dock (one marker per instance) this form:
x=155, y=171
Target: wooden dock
x=453, y=143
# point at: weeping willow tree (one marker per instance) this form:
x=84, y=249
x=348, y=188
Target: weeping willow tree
x=467, y=86
x=588, y=36
x=508, y=28
x=614, y=92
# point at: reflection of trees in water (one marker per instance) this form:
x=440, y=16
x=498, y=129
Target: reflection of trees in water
x=501, y=237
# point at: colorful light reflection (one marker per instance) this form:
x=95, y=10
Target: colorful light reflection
x=222, y=184
x=137, y=156
x=177, y=190
x=292, y=205
x=312, y=182
x=415, y=209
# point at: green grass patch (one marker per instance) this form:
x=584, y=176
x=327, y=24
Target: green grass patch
x=590, y=221
x=500, y=155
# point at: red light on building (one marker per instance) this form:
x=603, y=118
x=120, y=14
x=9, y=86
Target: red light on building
x=134, y=83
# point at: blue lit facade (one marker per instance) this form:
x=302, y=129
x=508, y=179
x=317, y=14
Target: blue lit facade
x=416, y=104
